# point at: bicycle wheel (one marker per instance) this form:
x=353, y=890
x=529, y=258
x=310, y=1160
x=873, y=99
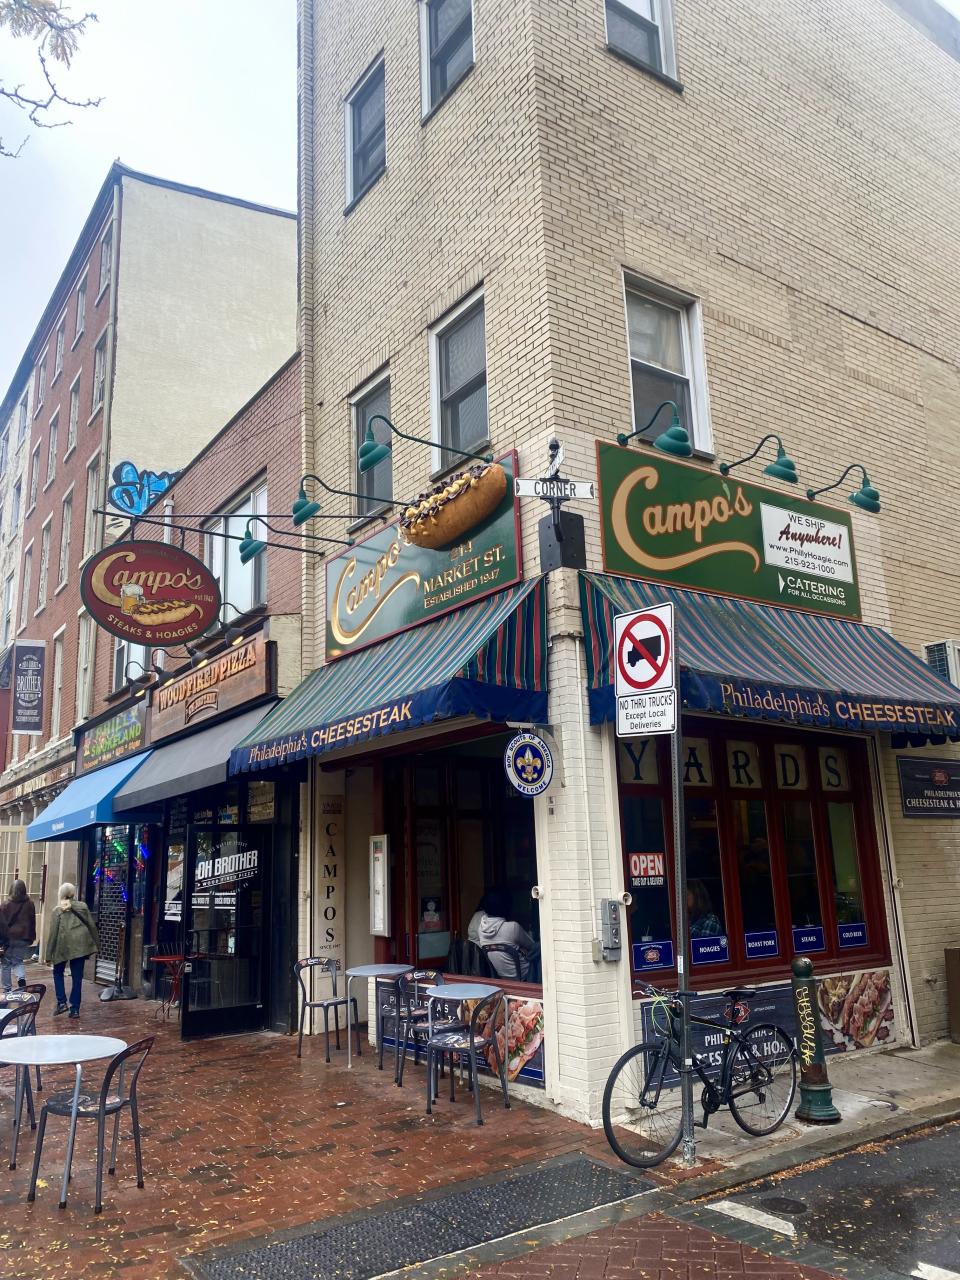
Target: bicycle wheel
x=641, y=1117
x=763, y=1079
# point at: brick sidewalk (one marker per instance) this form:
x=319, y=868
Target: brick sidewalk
x=652, y=1248
x=241, y=1139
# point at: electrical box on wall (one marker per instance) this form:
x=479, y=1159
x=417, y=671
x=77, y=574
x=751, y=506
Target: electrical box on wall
x=611, y=926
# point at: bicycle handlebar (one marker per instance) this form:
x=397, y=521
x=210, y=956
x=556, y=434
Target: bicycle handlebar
x=661, y=992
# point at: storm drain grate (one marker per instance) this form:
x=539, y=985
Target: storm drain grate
x=379, y=1242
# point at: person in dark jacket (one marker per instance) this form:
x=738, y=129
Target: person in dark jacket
x=18, y=931
x=71, y=938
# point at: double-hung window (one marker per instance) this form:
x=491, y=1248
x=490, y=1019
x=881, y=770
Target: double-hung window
x=93, y=500
x=106, y=254
x=376, y=484
x=8, y=588
x=446, y=48
x=84, y=665
x=127, y=653
x=81, y=309
x=64, y=564
x=43, y=569
x=27, y=582
x=4, y=451
x=666, y=363
x=366, y=126
x=242, y=586
x=56, y=686
x=459, y=380
x=52, y=448
x=22, y=421
x=15, y=507
x=99, y=373
x=58, y=350
x=74, y=417
x=643, y=31
x=34, y=478
x=41, y=384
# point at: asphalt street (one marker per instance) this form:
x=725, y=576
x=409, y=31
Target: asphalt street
x=892, y=1206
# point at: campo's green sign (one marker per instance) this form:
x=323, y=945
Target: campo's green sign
x=386, y=584
x=679, y=523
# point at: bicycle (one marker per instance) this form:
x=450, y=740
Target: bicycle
x=757, y=1078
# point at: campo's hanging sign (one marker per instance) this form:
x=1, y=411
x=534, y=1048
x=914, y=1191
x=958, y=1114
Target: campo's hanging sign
x=388, y=582
x=675, y=522
x=150, y=592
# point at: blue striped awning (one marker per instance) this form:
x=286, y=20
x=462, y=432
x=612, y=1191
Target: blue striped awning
x=487, y=660
x=744, y=659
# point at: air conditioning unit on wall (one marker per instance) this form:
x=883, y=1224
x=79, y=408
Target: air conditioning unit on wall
x=944, y=658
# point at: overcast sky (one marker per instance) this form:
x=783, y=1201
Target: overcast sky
x=201, y=91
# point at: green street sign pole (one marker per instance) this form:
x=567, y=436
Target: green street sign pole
x=683, y=931
x=816, y=1094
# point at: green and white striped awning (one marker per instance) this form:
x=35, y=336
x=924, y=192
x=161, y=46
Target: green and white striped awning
x=487, y=660
x=745, y=659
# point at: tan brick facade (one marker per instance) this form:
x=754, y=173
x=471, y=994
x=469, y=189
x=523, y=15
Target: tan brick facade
x=803, y=187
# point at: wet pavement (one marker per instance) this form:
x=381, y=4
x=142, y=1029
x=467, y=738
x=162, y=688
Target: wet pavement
x=887, y=1210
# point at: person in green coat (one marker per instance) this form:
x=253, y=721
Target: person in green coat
x=71, y=938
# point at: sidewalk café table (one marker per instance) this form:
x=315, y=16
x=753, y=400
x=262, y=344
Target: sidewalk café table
x=175, y=965
x=388, y=973
x=458, y=991
x=51, y=1051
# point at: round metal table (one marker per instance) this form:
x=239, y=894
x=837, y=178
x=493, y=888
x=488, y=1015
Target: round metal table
x=51, y=1051
x=379, y=971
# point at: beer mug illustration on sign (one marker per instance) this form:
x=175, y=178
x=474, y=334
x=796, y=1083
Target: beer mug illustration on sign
x=131, y=597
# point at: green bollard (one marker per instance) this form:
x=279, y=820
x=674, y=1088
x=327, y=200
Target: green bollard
x=816, y=1095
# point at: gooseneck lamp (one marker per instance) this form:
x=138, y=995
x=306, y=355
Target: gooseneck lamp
x=251, y=546
x=674, y=440
x=373, y=451
x=867, y=497
x=305, y=509
x=783, y=466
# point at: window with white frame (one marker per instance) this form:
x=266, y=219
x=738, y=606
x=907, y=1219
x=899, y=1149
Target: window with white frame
x=41, y=384
x=43, y=568
x=8, y=588
x=4, y=451
x=22, y=422
x=458, y=361
x=84, y=665
x=127, y=653
x=376, y=484
x=93, y=500
x=58, y=350
x=106, y=254
x=366, y=128
x=81, y=314
x=52, y=448
x=27, y=581
x=56, y=687
x=99, y=374
x=242, y=586
x=15, y=507
x=63, y=567
x=34, y=478
x=74, y=417
x=666, y=363
x=643, y=30
x=446, y=48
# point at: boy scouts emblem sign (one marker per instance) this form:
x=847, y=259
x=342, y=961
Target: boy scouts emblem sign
x=529, y=764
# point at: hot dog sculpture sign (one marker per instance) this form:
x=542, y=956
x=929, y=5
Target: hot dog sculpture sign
x=455, y=544
x=150, y=592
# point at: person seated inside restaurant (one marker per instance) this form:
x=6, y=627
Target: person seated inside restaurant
x=490, y=925
x=703, y=920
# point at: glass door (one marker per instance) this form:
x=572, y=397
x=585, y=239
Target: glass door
x=224, y=986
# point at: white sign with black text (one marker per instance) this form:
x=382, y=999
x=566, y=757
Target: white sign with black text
x=645, y=678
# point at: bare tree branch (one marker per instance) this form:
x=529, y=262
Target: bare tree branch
x=57, y=34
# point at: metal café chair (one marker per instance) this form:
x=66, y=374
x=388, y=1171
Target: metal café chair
x=514, y=955
x=112, y=1100
x=324, y=964
x=39, y=990
x=19, y=1021
x=415, y=1014
x=469, y=1042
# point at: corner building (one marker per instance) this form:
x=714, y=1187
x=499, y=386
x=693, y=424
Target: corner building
x=530, y=220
